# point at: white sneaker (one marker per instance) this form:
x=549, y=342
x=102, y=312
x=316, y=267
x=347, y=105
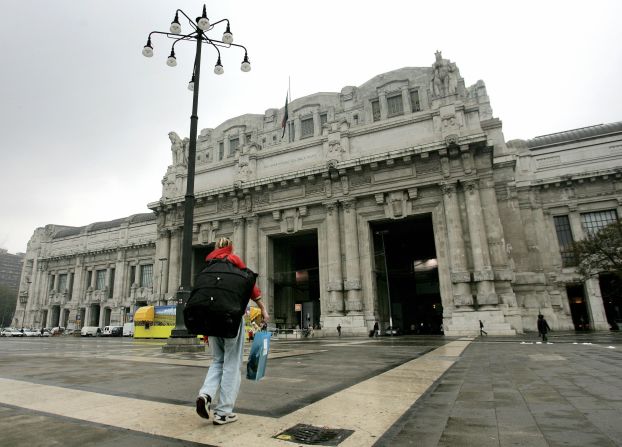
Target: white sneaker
x=222, y=419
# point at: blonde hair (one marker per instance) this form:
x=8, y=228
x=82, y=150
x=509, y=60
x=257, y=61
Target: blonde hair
x=223, y=242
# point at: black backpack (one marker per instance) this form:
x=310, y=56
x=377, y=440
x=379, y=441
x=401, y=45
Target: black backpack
x=219, y=298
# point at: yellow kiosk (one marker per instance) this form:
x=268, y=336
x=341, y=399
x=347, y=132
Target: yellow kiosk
x=154, y=321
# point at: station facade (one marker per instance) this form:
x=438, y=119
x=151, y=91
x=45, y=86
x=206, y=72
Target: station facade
x=396, y=201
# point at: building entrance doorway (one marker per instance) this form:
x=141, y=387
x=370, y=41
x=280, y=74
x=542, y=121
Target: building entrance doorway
x=107, y=314
x=65, y=320
x=95, y=310
x=578, y=307
x=406, y=271
x=296, y=280
x=611, y=291
x=55, y=316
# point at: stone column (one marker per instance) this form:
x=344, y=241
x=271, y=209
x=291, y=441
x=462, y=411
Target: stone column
x=164, y=252
x=494, y=230
x=297, y=129
x=384, y=108
x=595, y=305
x=335, y=277
x=251, y=243
x=352, y=283
x=239, y=240
x=317, y=129
x=119, y=277
x=174, y=261
x=460, y=276
x=482, y=274
x=406, y=100
x=55, y=288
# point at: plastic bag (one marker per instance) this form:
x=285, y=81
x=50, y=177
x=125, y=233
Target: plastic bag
x=256, y=366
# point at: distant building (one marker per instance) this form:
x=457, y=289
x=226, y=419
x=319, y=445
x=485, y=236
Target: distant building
x=396, y=201
x=10, y=269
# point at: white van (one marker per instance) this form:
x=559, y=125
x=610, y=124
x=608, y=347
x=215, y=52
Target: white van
x=93, y=331
x=128, y=330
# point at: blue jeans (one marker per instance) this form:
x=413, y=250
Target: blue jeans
x=224, y=373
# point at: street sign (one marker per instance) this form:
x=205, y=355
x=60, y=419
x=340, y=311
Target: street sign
x=297, y=307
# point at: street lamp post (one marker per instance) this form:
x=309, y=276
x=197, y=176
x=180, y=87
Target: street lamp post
x=386, y=272
x=198, y=34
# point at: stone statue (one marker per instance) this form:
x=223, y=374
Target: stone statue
x=179, y=149
x=445, y=77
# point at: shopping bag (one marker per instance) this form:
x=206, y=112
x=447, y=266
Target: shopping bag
x=256, y=366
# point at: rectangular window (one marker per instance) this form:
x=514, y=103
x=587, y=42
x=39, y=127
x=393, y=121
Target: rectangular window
x=375, y=110
x=355, y=118
x=89, y=278
x=234, y=143
x=592, y=223
x=146, y=275
x=62, y=282
x=111, y=284
x=132, y=275
x=414, y=100
x=564, y=237
x=100, y=279
x=323, y=119
x=395, y=105
x=221, y=150
x=306, y=127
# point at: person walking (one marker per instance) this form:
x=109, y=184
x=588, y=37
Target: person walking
x=543, y=327
x=481, y=328
x=376, y=329
x=339, y=329
x=223, y=377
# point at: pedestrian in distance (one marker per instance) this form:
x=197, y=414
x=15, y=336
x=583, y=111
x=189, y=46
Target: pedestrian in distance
x=223, y=377
x=543, y=327
x=339, y=329
x=376, y=329
x=481, y=328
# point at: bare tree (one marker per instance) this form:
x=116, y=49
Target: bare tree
x=600, y=252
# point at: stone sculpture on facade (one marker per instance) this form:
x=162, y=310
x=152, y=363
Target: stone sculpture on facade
x=445, y=77
x=179, y=149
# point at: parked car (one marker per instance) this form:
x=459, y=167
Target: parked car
x=31, y=333
x=128, y=330
x=113, y=331
x=57, y=330
x=11, y=332
x=93, y=331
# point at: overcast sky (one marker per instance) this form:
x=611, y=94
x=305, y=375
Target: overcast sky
x=85, y=117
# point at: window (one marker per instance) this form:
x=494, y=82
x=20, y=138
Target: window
x=234, y=143
x=414, y=100
x=355, y=118
x=100, y=279
x=221, y=150
x=132, y=275
x=306, y=127
x=89, y=278
x=291, y=131
x=323, y=119
x=375, y=110
x=146, y=275
x=592, y=223
x=395, y=105
x=62, y=282
x=564, y=237
x=51, y=282
x=111, y=284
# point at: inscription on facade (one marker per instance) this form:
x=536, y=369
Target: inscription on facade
x=393, y=174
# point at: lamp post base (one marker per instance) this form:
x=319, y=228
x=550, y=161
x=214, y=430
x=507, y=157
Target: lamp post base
x=186, y=344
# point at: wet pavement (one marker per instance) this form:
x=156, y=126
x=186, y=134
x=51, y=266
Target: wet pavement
x=424, y=391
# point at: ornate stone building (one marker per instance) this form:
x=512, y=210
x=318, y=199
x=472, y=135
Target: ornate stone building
x=397, y=200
